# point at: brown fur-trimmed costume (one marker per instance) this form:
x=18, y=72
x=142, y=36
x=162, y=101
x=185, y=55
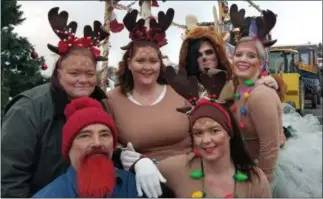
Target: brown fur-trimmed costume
x=216, y=40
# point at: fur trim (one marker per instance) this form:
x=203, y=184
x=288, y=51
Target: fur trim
x=215, y=38
x=282, y=87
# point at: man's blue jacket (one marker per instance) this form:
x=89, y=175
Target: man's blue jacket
x=65, y=186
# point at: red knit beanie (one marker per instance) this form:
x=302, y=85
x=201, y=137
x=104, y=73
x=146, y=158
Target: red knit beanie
x=80, y=113
x=213, y=110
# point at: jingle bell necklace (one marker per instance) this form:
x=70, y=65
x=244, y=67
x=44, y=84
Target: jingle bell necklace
x=245, y=94
x=199, y=174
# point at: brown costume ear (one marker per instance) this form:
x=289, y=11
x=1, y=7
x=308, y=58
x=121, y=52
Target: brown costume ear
x=282, y=87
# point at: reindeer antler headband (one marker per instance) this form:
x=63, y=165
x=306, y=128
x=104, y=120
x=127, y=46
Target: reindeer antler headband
x=91, y=38
x=258, y=27
x=156, y=32
x=187, y=87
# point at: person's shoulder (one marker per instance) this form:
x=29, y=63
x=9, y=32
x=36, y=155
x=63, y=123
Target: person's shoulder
x=58, y=188
x=263, y=93
x=177, y=161
x=173, y=95
x=30, y=97
x=37, y=92
x=115, y=92
x=127, y=183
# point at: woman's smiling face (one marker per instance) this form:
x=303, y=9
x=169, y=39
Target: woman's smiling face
x=210, y=139
x=246, y=62
x=145, y=66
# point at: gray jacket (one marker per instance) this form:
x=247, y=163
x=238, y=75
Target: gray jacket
x=31, y=140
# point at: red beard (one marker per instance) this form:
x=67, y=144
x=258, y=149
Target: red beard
x=96, y=177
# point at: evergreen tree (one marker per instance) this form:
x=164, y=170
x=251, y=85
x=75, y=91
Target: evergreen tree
x=20, y=64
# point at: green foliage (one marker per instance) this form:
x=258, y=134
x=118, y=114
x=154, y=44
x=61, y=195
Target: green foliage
x=19, y=71
x=10, y=13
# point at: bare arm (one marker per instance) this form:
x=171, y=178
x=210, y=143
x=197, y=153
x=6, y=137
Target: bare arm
x=261, y=186
x=171, y=168
x=264, y=113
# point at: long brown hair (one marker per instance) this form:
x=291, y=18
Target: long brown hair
x=124, y=74
x=71, y=51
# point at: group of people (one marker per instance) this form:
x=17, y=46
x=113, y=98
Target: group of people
x=212, y=129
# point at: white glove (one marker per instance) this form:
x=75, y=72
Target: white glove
x=268, y=81
x=129, y=156
x=148, y=178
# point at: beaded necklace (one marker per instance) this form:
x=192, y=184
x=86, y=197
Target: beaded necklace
x=199, y=174
x=245, y=94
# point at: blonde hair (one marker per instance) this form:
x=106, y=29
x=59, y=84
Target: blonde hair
x=259, y=47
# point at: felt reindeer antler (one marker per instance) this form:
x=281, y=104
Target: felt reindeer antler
x=237, y=16
x=58, y=22
x=214, y=82
x=95, y=36
x=157, y=31
x=239, y=22
x=252, y=26
x=270, y=21
x=185, y=86
x=188, y=88
x=66, y=33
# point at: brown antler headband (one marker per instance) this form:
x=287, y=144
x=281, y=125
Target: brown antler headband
x=157, y=31
x=66, y=33
x=260, y=26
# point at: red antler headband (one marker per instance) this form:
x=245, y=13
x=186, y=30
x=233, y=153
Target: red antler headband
x=157, y=30
x=66, y=33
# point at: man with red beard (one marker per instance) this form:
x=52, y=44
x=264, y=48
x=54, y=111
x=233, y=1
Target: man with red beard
x=88, y=141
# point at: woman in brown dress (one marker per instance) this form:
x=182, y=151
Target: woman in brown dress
x=220, y=165
x=257, y=108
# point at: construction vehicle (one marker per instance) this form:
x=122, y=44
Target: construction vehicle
x=297, y=65
x=283, y=61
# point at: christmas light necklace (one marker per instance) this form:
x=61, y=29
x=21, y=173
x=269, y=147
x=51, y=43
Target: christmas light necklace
x=250, y=84
x=199, y=174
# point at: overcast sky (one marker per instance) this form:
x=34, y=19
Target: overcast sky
x=298, y=22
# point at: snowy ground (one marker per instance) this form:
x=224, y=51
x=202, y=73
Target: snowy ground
x=303, y=154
